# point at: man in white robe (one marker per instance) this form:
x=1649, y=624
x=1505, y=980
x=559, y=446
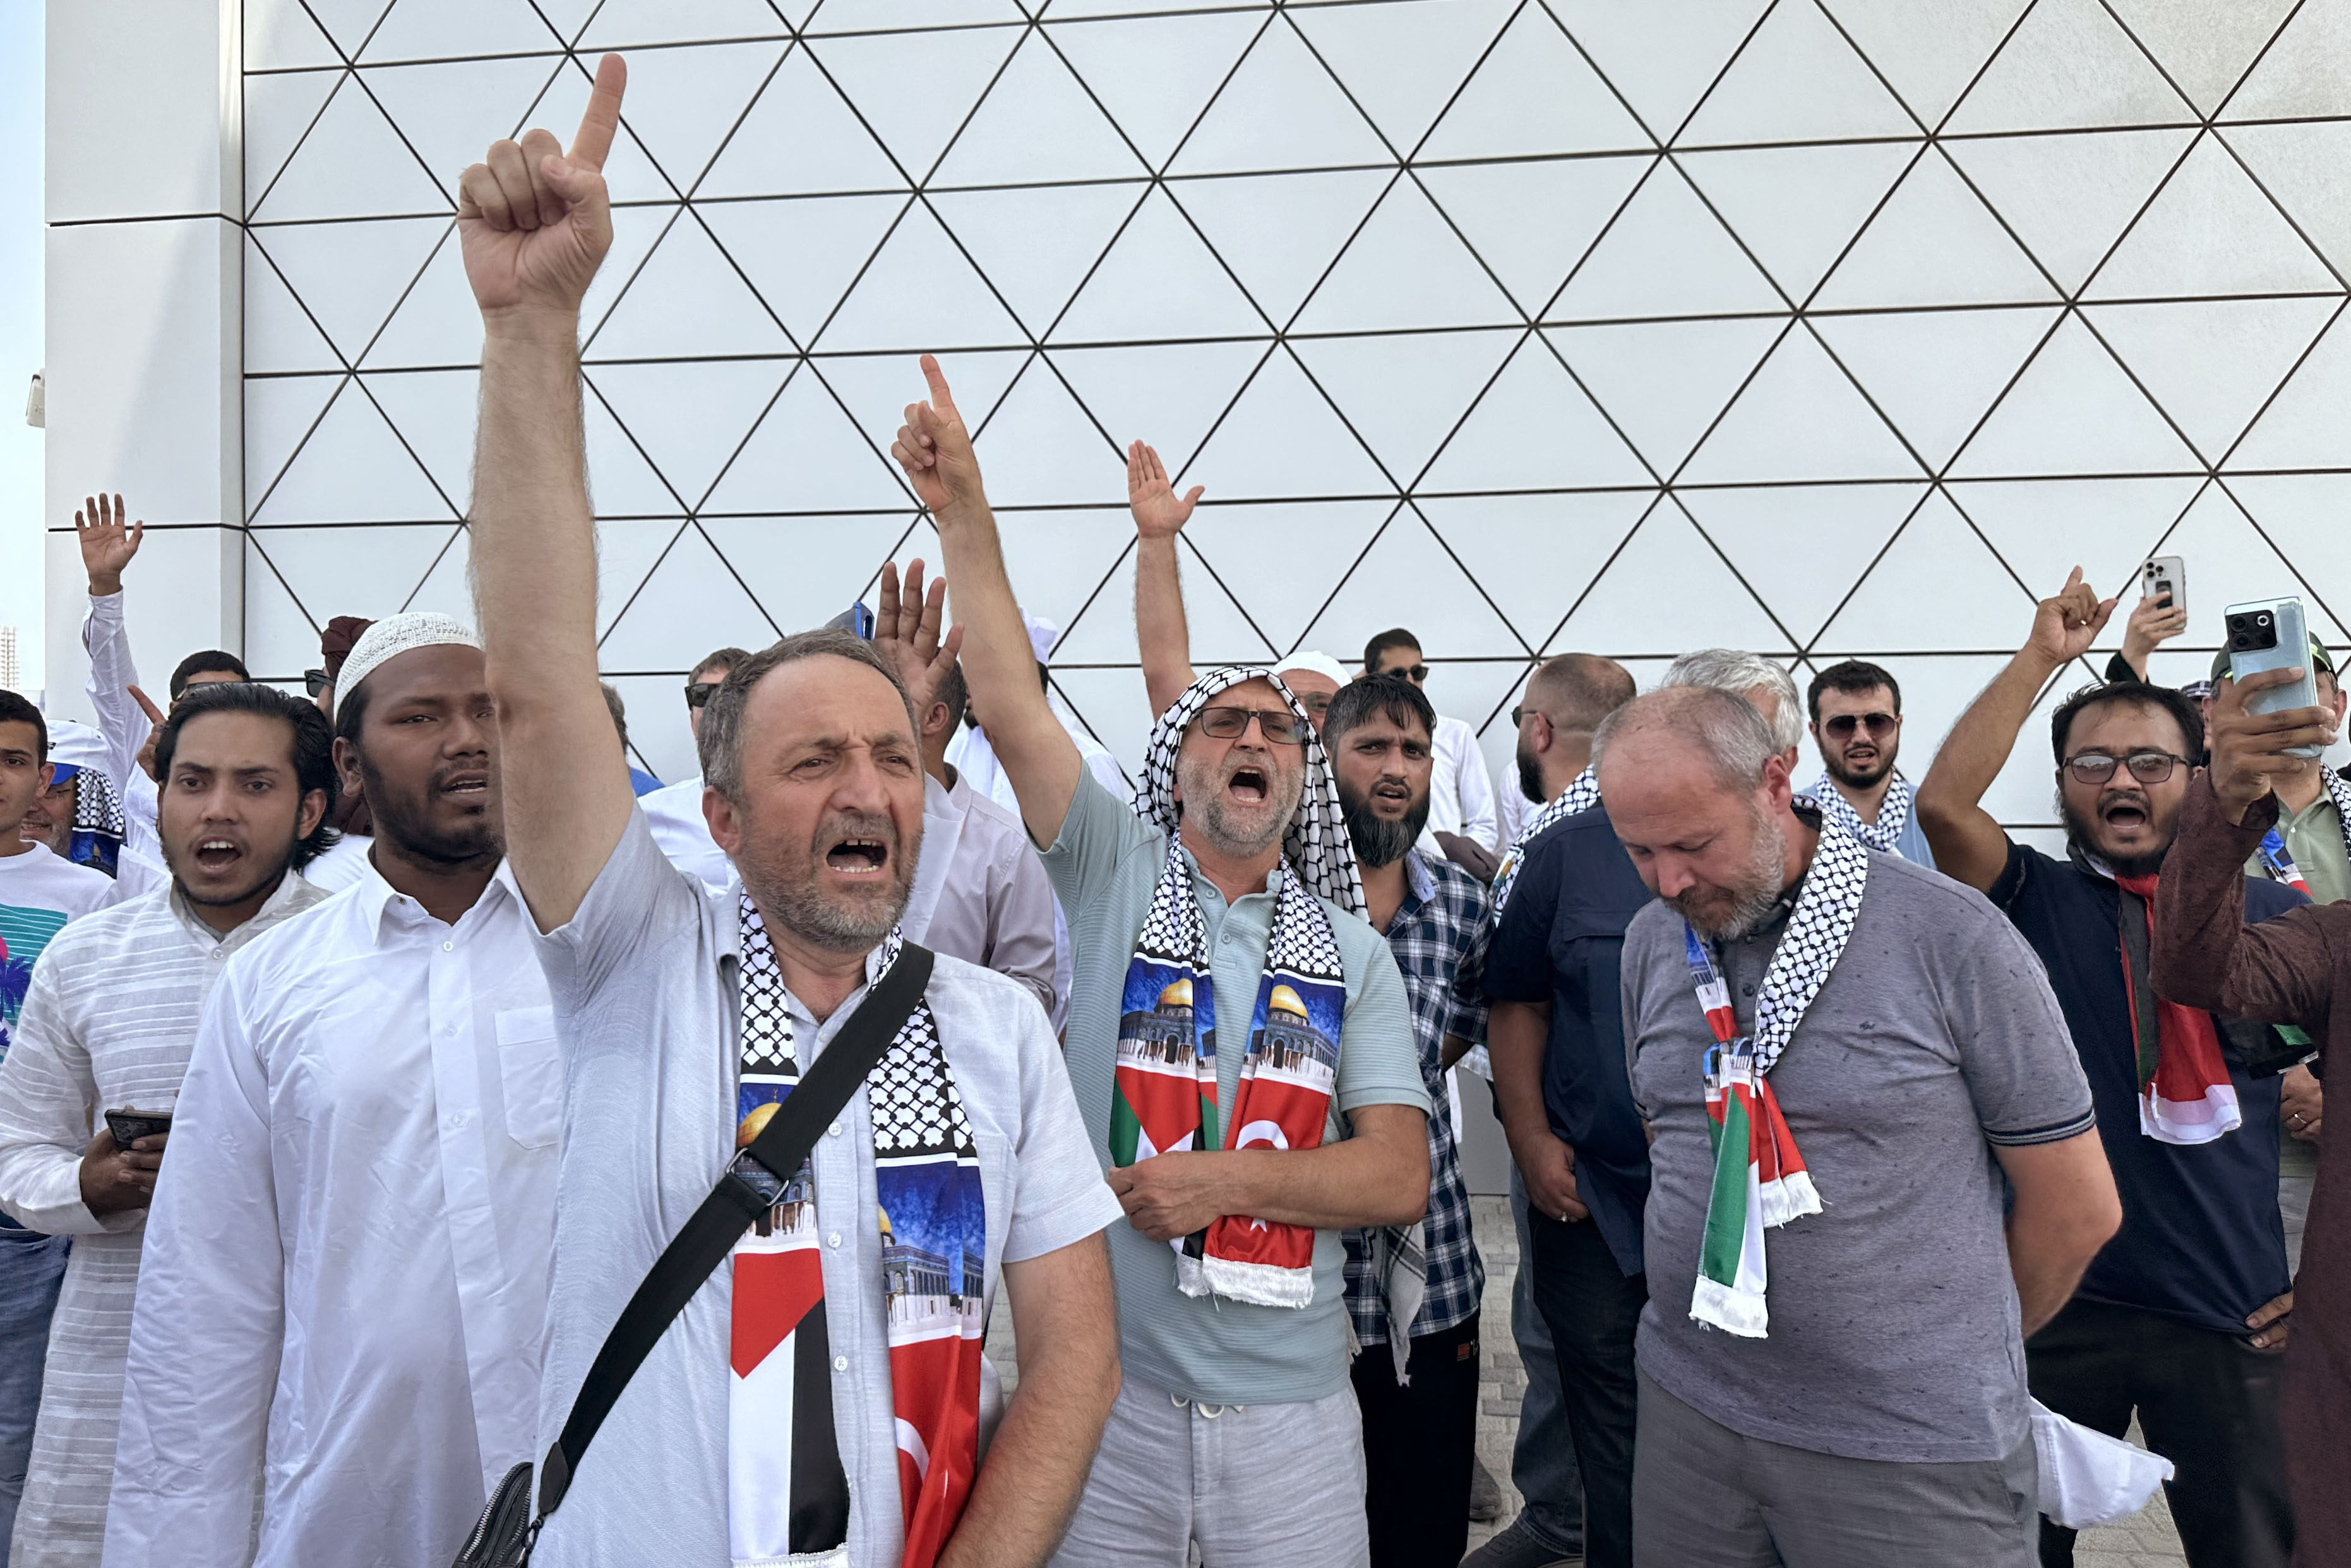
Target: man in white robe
x=345, y=1279
x=108, y=1025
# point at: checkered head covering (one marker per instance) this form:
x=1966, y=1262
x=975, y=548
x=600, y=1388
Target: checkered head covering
x=1316, y=845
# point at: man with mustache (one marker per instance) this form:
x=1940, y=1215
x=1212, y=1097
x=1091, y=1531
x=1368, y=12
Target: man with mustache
x=1420, y=1397
x=1240, y=1044
x=2183, y=1318
x=1856, y=722
x=346, y=1263
x=1842, y=1056
x=819, y=1397
x=249, y=777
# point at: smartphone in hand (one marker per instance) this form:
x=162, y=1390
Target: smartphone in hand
x=2164, y=579
x=2271, y=634
x=130, y=1126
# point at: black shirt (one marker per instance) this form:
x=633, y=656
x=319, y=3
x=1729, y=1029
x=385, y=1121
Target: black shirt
x=2202, y=1236
x=1559, y=941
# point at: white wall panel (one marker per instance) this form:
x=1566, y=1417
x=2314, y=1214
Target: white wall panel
x=1530, y=326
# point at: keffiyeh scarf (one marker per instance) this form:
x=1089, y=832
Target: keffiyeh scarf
x=97, y=838
x=788, y=1495
x=1893, y=813
x=1580, y=796
x=1164, y=1092
x=1760, y=1179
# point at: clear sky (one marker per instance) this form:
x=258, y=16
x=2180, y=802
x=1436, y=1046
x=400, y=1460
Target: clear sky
x=20, y=327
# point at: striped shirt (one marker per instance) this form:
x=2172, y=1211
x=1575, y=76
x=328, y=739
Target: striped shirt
x=108, y=1025
x=1432, y=935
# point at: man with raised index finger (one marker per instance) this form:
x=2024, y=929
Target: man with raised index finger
x=820, y=1396
x=1228, y=892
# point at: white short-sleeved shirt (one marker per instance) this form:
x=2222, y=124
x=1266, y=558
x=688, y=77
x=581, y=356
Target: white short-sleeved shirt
x=644, y=981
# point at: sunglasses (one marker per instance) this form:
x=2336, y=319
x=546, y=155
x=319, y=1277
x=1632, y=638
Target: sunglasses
x=699, y=693
x=1279, y=726
x=2147, y=766
x=316, y=681
x=1843, y=725
x=1519, y=716
x=1416, y=674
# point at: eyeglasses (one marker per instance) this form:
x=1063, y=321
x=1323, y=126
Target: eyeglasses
x=1313, y=702
x=1843, y=725
x=1279, y=726
x=699, y=693
x=1519, y=716
x=2147, y=766
x=317, y=681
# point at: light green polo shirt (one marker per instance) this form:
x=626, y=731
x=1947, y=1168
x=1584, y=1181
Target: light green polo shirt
x=1104, y=866
x=2314, y=837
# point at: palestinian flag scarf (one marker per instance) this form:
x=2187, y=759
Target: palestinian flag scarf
x=787, y=1492
x=1582, y=794
x=1893, y=813
x=1164, y=1092
x=1760, y=1179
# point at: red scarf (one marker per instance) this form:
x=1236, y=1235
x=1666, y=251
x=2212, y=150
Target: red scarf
x=2185, y=1095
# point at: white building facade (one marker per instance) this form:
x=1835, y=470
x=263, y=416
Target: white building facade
x=1823, y=328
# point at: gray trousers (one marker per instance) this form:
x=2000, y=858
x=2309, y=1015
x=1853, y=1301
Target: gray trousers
x=1706, y=1497
x=1255, y=1486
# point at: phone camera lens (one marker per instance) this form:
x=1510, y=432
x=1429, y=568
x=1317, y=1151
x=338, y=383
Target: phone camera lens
x=2262, y=619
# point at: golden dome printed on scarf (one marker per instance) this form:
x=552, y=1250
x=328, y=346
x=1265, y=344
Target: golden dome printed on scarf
x=1177, y=995
x=747, y=1130
x=1282, y=999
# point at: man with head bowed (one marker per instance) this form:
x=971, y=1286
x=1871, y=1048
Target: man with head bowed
x=820, y=1397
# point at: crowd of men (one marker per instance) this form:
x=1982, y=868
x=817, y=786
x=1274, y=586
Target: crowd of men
x=366, y=1052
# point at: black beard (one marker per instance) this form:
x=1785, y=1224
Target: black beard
x=1531, y=780
x=2077, y=833
x=1379, y=841
x=1835, y=763
x=404, y=819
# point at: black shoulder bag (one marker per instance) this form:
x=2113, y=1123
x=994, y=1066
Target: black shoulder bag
x=503, y=1536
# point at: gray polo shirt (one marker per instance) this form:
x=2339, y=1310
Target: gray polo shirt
x=1893, y=1331
x=1104, y=866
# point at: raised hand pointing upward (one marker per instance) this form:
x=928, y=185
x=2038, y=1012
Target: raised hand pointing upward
x=534, y=222
x=1159, y=513
x=935, y=449
x=2064, y=626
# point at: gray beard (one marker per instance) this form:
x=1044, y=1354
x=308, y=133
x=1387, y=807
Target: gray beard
x=1759, y=893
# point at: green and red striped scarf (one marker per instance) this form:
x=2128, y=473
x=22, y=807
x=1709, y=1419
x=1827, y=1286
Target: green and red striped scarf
x=1760, y=1177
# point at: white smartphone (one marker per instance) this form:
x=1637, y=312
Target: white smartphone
x=2164, y=579
x=2270, y=635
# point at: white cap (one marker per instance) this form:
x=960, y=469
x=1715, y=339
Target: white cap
x=74, y=745
x=395, y=635
x=1043, y=635
x=1322, y=664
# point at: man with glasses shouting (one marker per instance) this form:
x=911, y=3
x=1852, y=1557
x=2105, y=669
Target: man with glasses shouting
x=1242, y=1052
x=2183, y=1317
x=1857, y=724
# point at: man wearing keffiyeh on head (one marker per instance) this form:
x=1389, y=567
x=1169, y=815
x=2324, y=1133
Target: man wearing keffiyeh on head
x=2183, y=1320
x=1229, y=891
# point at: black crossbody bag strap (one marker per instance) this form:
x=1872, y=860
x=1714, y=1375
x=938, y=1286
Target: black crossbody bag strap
x=710, y=1235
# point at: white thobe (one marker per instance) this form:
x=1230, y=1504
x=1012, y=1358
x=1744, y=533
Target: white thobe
x=106, y=1026
x=674, y=813
x=345, y=1280
x=124, y=726
x=972, y=758
x=980, y=893
x=1460, y=790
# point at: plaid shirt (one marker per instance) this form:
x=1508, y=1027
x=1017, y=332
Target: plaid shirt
x=1432, y=937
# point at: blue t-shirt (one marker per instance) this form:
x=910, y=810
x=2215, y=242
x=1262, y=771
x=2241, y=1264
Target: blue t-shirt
x=1559, y=941
x=2202, y=1236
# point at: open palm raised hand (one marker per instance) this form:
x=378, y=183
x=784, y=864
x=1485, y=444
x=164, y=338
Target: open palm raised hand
x=1159, y=513
x=109, y=540
x=534, y=220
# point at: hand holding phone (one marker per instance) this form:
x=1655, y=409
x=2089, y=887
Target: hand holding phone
x=2271, y=634
x=117, y=1177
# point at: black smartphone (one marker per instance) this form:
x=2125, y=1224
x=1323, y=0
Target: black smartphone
x=130, y=1126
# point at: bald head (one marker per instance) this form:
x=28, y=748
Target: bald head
x=1576, y=691
x=1721, y=730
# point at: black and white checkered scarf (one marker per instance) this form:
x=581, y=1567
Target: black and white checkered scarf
x=1316, y=845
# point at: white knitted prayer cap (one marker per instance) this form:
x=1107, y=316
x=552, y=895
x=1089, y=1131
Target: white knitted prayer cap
x=1322, y=664
x=395, y=635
